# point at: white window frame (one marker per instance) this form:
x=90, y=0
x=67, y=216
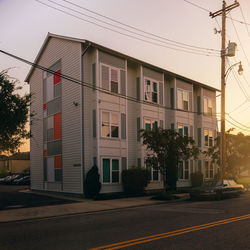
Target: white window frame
x=110, y=177
x=209, y=137
x=109, y=80
x=184, y=170
x=152, y=81
x=183, y=125
x=207, y=171
x=151, y=122
x=110, y=124
x=206, y=106
x=182, y=91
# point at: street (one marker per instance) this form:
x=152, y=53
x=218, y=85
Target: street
x=100, y=229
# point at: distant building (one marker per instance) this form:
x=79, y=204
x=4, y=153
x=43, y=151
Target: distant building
x=90, y=110
x=17, y=163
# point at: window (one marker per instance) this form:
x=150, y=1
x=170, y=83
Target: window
x=209, y=170
x=110, y=78
x=183, y=130
x=183, y=170
x=151, y=91
x=150, y=124
x=208, y=137
x=182, y=99
x=110, y=125
x=110, y=170
x=208, y=107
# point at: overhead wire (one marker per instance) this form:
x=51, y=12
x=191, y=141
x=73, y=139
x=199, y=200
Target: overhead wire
x=244, y=21
x=186, y=50
x=137, y=29
x=91, y=86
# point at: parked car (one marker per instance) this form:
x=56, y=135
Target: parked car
x=25, y=180
x=217, y=189
x=13, y=177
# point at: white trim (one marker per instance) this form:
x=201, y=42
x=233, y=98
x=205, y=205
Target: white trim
x=110, y=124
x=145, y=78
x=101, y=172
x=119, y=76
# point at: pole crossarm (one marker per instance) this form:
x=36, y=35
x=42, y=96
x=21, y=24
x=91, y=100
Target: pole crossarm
x=226, y=9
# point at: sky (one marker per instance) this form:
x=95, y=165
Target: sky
x=186, y=23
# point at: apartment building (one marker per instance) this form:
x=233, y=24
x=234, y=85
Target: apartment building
x=90, y=106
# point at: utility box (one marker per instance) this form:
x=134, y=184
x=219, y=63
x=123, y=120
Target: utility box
x=231, y=49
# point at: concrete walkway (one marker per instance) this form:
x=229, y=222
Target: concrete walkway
x=82, y=206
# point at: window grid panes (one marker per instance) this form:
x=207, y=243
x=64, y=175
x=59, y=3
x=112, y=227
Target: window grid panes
x=110, y=125
x=151, y=91
x=182, y=99
x=110, y=171
x=110, y=78
x=150, y=124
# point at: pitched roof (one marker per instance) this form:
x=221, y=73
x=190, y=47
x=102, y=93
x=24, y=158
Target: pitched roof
x=169, y=73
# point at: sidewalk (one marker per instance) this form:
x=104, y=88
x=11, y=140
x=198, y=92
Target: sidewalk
x=82, y=206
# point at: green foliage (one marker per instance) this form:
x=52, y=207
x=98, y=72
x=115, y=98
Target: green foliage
x=196, y=179
x=14, y=113
x=134, y=180
x=166, y=148
x=4, y=172
x=92, y=185
x=237, y=153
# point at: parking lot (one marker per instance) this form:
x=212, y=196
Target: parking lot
x=12, y=197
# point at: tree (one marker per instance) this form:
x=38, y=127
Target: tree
x=165, y=149
x=14, y=113
x=237, y=153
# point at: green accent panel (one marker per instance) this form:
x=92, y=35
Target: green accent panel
x=94, y=123
x=148, y=126
x=106, y=170
x=124, y=163
x=54, y=106
x=123, y=126
x=138, y=128
x=198, y=105
x=172, y=126
x=138, y=88
x=172, y=98
x=180, y=131
x=54, y=148
x=94, y=74
x=199, y=137
x=138, y=162
x=185, y=131
x=115, y=164
x=123, y=82
x=58, y=174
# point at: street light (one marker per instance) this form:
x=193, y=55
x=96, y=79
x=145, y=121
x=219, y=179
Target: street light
x=223, y=134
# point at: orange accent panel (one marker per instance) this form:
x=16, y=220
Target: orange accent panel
x=58, y=162
x=57, y=126
x=44, y=152
x=57, y=77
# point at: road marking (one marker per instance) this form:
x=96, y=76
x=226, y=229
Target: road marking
x=172, y=233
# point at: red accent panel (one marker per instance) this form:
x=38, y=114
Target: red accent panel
x=44, y=152
x=58, y=162
x=57, y=77
x=44, y=106
x=57, y=126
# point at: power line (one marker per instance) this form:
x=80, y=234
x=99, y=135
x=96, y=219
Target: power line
x=243, y=103
x=243, y=129
x=244, y=21
x=240, y=42
x=135, y=28
x=90, y=85
x=197, y=6
x=238, y=21
x=238, y=122
x=131, y=36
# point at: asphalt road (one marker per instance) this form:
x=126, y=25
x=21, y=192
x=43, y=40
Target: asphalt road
x=104, y=228
x=12, y=198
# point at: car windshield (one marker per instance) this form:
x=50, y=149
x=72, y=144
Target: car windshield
x=209, y=184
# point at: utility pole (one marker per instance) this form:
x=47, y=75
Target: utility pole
x=223, y=13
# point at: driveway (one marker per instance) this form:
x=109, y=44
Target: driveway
x=12, y=197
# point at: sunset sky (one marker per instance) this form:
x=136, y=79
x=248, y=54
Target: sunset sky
x=25, y=24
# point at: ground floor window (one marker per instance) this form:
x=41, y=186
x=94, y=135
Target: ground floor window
x=110, y=170
x=209, y=170
x=183, y=170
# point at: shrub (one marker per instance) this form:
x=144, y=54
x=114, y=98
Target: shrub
x=196, y=179
x=134, y=180
x=4, y=173
x=92, y=183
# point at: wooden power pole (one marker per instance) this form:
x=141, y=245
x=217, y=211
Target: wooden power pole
x=223, y=13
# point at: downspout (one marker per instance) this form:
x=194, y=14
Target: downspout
x=82, y=112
